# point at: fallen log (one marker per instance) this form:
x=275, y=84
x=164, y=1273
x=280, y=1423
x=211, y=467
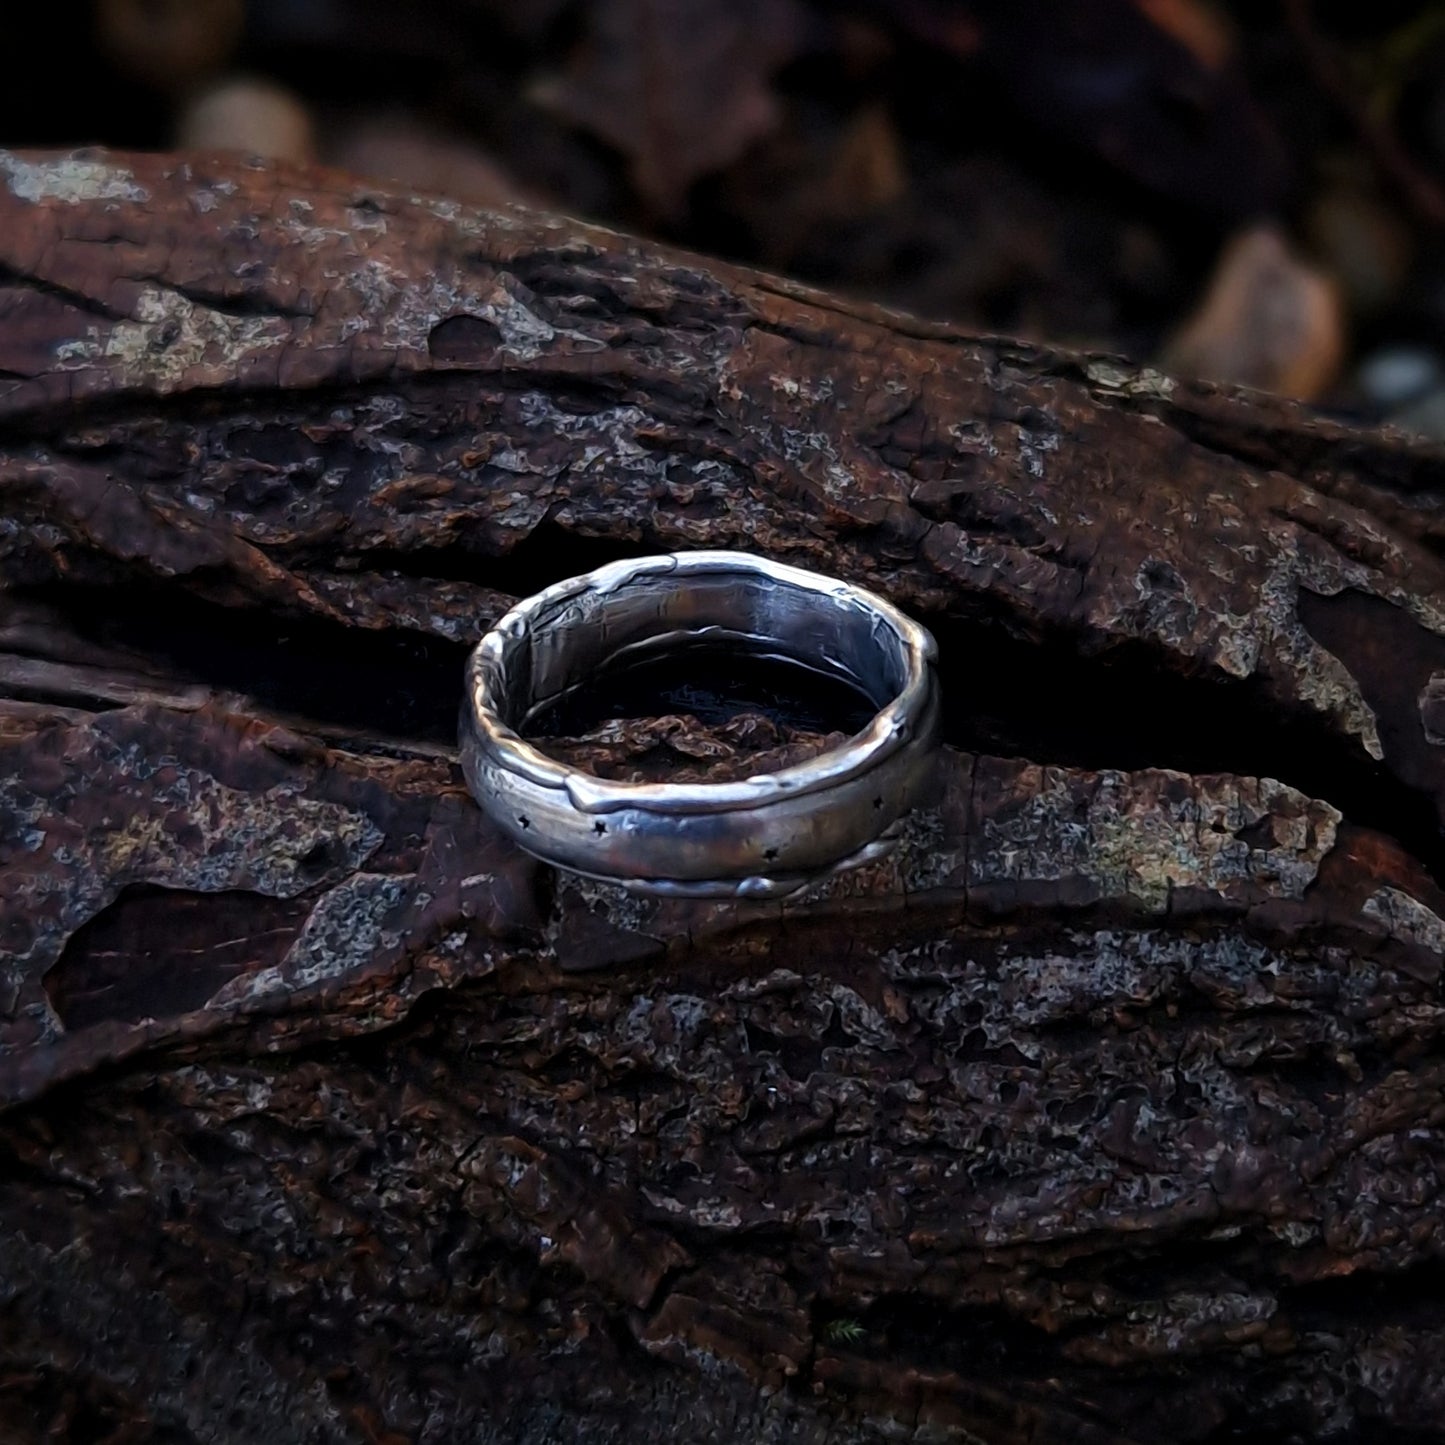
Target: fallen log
x=1108, y=1108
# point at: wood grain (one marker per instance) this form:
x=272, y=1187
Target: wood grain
x=1108, y=1109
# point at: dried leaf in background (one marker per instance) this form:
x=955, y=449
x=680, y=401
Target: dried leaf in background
x=1149, y=88
x=1267, y=320
x=169, y=43
x=248, y=114
x=398, y=149
x=681, y=87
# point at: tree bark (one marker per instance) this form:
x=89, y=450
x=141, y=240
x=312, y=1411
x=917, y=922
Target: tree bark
x=1109, y=1108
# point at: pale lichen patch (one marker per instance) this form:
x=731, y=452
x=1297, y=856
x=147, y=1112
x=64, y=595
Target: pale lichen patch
x=171, y=338
x=1142, y=835
x=1406, y=919
x=343, y=933
x=70, y=180
x=1320, y=677
x=1145, y=382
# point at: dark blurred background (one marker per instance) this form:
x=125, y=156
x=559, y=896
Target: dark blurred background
x=1252, y=192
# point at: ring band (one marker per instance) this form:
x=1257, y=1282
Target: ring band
x=762, y=836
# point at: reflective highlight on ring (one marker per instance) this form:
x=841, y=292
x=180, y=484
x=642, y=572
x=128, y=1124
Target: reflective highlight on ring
x=763, y=836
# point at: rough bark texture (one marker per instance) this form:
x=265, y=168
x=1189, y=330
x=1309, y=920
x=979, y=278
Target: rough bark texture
x=1110, y=1108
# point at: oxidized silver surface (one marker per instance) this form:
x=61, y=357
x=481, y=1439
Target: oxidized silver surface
x=762, y=836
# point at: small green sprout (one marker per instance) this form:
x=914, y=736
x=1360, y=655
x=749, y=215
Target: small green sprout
x=844, y=1331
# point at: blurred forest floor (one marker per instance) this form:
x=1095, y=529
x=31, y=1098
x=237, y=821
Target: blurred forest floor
x=1253, y=192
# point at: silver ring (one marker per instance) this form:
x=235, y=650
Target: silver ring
x=762, y=836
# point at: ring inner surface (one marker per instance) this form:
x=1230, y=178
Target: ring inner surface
x=570, y=643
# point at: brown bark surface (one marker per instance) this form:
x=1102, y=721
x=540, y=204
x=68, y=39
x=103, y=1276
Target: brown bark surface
x=1109, y=1108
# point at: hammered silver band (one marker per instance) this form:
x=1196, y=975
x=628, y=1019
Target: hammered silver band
x=763, y=836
